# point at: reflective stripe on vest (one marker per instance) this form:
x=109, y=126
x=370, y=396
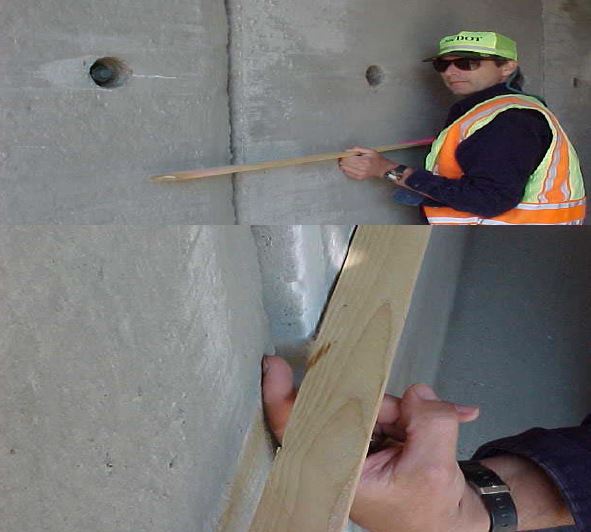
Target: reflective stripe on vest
x=554, y=193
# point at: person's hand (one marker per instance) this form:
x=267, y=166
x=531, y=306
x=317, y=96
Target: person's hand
x=366, y=165
x=413, y=483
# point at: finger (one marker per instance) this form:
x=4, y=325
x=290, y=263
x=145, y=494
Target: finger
x=431, y=427
x=362, y=150
x=357, y=166
x=389, y=412
x=388, y=422
x=354, y=162
x=388, y=415
x=279, y=394
x=389, y=409
x=353, y=174
x=467, y=413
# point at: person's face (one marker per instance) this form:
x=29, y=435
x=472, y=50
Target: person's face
x=466, y=82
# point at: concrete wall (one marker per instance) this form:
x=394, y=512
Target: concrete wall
x=299, y=266
x=567, y=70
x=129, y=358
x=422, y=342
x=518, y=342
x=129, y=378
x=72, y=152
x=299, y=87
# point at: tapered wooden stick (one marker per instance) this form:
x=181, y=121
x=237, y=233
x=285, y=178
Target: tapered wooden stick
x=282, y=163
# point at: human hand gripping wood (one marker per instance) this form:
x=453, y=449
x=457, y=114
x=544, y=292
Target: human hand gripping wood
x=412, y=481
x=366, y=164
x=312, y=482
x=179, y=177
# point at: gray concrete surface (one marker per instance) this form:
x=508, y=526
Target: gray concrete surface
x=129, y=377
x=299, y=87
x=422, y=342
x=299, y=266
x=72, y=152
x=130, y=365
x=289, y=78
x=567, y=71
x=518, y=341
x=129, y=357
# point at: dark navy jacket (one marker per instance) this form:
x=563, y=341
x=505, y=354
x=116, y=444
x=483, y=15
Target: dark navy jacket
x=497, y=160
x=565, y=455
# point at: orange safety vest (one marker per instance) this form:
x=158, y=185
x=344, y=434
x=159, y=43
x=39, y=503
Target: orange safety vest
x=554, y=193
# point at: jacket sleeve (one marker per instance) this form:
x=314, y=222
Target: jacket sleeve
x=497, y=162
x=564, y=454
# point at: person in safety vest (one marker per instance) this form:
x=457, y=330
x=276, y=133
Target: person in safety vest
x=503, y=157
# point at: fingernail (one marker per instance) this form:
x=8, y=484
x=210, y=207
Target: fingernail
x=466, y=409
x=425, y=392
x=265, y=364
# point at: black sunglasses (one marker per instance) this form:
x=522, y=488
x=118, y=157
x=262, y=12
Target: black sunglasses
x=463, y=63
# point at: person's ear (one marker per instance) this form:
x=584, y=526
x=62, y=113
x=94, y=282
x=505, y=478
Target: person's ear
x=509, y=67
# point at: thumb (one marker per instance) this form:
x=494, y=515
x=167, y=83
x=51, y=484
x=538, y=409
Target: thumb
x=361, y=150
x=431, y=428
x=278, y=394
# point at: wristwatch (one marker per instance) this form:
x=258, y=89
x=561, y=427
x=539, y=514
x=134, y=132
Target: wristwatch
x=495, y=495
x=395, y=175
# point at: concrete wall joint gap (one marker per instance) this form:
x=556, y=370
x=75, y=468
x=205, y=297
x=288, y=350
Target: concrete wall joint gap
x=231, y=90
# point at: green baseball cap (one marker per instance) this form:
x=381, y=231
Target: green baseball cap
x=477, y=43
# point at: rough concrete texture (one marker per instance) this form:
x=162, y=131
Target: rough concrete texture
x=518, y=341
x=567, y=69
x=72, y=152
x=299, y=265
x=129, y=376
x=298, y=86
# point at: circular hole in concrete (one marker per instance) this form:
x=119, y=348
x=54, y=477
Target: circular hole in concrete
x=374, y=75
x=109, y=72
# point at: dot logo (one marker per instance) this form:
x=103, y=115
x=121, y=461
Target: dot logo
x=469, y=38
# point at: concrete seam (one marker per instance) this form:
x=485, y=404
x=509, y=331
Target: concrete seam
x=543, y=50
x=231, y=91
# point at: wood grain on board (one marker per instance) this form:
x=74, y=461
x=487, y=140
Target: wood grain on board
x=314, y=475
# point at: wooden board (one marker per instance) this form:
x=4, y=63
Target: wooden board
x=314, y=475
x=282, y=163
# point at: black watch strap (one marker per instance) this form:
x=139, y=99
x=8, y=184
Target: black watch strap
x=395, y=175
x=495, y=495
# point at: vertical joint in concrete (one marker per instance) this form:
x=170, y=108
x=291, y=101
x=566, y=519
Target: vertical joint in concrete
x=231, y=93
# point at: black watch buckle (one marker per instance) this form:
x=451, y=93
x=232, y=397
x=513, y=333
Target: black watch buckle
x=495, y=495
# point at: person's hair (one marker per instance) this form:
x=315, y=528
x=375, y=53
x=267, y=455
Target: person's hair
x=516, y=79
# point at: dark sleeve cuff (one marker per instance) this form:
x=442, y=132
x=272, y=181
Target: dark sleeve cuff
x=485, y=197
x=564, y=454
x=420, y=181
x=423, y=181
